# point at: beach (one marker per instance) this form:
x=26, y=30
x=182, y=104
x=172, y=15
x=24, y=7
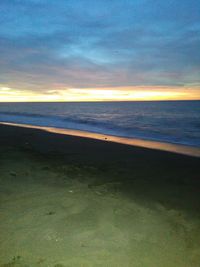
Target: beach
x=75, y=201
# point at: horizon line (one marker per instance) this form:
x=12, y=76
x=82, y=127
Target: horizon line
x=95, y=101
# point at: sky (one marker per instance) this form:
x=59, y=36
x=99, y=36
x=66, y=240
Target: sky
x=86, y=50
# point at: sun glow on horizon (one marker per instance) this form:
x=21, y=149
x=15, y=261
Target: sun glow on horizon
x=100, y=94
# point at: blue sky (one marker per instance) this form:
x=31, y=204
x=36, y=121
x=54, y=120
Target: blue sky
x=50, y=44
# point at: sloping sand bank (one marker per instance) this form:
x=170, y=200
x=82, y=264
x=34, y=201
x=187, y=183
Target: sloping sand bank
x=69, y=201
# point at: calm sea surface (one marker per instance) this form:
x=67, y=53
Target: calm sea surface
x=174, y=122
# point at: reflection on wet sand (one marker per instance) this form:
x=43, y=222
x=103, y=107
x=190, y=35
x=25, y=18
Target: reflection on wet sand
x=180, y=149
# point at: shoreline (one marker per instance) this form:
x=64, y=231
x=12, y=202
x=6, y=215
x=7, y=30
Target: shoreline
x=149, y=144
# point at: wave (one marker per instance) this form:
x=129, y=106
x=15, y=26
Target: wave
x=146, y=132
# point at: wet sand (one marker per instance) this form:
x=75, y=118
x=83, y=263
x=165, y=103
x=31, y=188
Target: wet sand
x=72, y=201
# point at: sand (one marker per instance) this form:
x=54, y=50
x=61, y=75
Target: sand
x=70, y=201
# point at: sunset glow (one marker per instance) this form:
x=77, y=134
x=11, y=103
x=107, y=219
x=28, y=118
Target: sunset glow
x=107, y=94
x=99, y=51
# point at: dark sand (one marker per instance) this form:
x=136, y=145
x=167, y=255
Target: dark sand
x=71, y=201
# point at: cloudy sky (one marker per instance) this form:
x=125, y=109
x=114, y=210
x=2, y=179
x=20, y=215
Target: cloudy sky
x=99, y=49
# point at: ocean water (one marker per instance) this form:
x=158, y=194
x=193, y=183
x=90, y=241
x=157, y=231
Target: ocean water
x=175, y=122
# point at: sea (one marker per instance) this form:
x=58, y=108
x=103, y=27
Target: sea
x=176, y=122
